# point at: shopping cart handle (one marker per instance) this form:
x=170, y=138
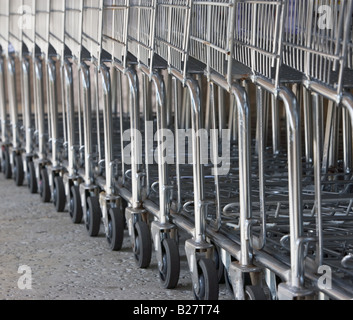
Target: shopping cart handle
x=101, y=163
x=347, y=261
x=203, y=203
x=188, y=204
x=128, y=174
x=156, y=183
x=285, y=241
x=230, y=206
x=154, y=186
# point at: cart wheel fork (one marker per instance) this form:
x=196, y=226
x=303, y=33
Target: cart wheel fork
x=205, y=282
x=165, y=240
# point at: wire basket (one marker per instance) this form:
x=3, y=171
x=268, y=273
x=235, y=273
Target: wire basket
x=115, y=26
x=16, y=25
x=57, y=26
x=4, y=26
x=92, y=27
x=73, y=26
x=316, y=46
x=141, y=30
x=172, y=33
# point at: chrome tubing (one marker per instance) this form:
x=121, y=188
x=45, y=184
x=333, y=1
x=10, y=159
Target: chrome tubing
x=70, y=114
x=84, y=73
x=108, y=130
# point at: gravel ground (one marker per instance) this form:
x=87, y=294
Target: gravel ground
x=65, y=263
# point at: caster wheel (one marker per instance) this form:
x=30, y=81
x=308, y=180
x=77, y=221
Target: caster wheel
x=219, y=264
x=44, y=188
x=116, y=226
x=31, y=178
x=143, y=245
x=123, y=206
x=208, y=281
x=6, y=164
x=75, y=205
x=93, y=216
x=256, y=293
x=59, y=196
x=18, y=172
x=170, y=270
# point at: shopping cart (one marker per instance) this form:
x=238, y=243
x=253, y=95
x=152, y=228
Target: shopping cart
x=172, y=38
x=28, y=103
x=15, y=109
x=55, y=73
x=115, y=42
x=76, y=169
x=260, y=48
x=105, y=136
x=5, y=133
x=41, y=98
x=319, y=50
x=215, y=48
x=247, y=45
x=141, y=44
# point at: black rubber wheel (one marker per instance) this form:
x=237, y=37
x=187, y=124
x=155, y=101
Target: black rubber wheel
x=75, y=207
x=219, y=265
x=123, y=206
x=59, y=196
x=6, y=164
x=31, y=178
x=170, y=271
x=256, y=293
x=208, y=280
x=19, y=174
x=143, y=245
x=116, y=226
x=93, y=216
x=44, y=188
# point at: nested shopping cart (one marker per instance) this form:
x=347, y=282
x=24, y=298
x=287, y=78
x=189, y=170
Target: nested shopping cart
x=41, y=98
x=214, y=46
x=28, y=94
x=243, y=40
x=141, y=44
x=89, y=104
x=15, y=108
x=317, y=42
x=258, y=44
x=54, y=13
x=101, y=126
x=129, y=186
x=5, y=133
x=76, y=169
x=172, y=40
